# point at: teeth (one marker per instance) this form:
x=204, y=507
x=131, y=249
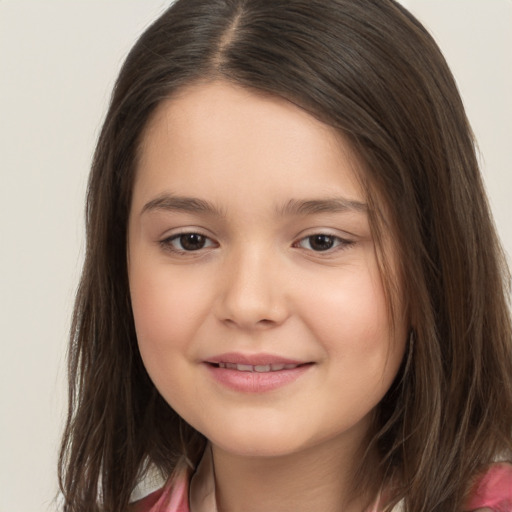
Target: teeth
x=261, y=368
x=230, y=366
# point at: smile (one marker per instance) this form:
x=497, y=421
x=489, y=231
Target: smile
x=257, y=373
x=257, y=368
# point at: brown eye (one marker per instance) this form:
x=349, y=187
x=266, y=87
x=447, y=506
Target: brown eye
x=322, y=242
x=187, y=242
x=192, y=241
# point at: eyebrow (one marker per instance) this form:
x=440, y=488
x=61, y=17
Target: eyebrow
x=329, y=205
x=168, y=202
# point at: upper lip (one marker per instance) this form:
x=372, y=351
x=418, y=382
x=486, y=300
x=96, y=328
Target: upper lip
x=252, y=359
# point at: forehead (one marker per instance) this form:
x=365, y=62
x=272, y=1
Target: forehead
x=216, y=132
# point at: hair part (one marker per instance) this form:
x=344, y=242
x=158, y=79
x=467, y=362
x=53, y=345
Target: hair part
x=371, y=71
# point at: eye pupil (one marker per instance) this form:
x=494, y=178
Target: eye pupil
x=321, y=242
x=192, y=241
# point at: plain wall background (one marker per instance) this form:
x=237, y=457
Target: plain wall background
x=58, y=62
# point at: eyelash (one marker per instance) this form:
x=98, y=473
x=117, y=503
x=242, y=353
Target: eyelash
x=336, y=243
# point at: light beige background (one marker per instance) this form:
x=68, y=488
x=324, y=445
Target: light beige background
x=58, y=61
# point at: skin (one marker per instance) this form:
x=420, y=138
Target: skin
x=259, y=284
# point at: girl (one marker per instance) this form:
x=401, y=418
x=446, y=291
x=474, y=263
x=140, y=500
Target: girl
x=293, y=297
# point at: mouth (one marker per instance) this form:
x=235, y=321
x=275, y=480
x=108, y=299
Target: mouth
x=255, y=373
x=258, y=368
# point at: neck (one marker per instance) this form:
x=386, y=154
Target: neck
x=318, y=478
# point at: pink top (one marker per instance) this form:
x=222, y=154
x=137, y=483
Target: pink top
x=492, y=492
x=168, y=499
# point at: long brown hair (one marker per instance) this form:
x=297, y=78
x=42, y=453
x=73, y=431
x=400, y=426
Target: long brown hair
x=369, y=69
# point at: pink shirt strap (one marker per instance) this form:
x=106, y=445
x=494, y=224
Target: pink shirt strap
x=173, y=497
x=493, y=490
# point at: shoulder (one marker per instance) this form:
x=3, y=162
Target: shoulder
x=493, y=490
x=173, y=497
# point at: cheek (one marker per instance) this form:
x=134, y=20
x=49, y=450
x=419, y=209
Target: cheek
x=166, y=315
x=348, y=308
x=349, y=317
x=167, y=309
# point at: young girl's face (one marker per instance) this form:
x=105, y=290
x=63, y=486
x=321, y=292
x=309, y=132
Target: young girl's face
x=259, y=308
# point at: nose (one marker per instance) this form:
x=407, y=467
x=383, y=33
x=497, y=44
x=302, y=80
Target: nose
x=251, y=292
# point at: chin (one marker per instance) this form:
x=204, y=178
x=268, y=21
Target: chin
x=263, y=447
x=257, y=442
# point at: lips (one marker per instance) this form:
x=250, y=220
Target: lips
x=255, y=373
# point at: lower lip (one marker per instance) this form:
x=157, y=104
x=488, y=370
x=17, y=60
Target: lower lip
x=256, y=382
